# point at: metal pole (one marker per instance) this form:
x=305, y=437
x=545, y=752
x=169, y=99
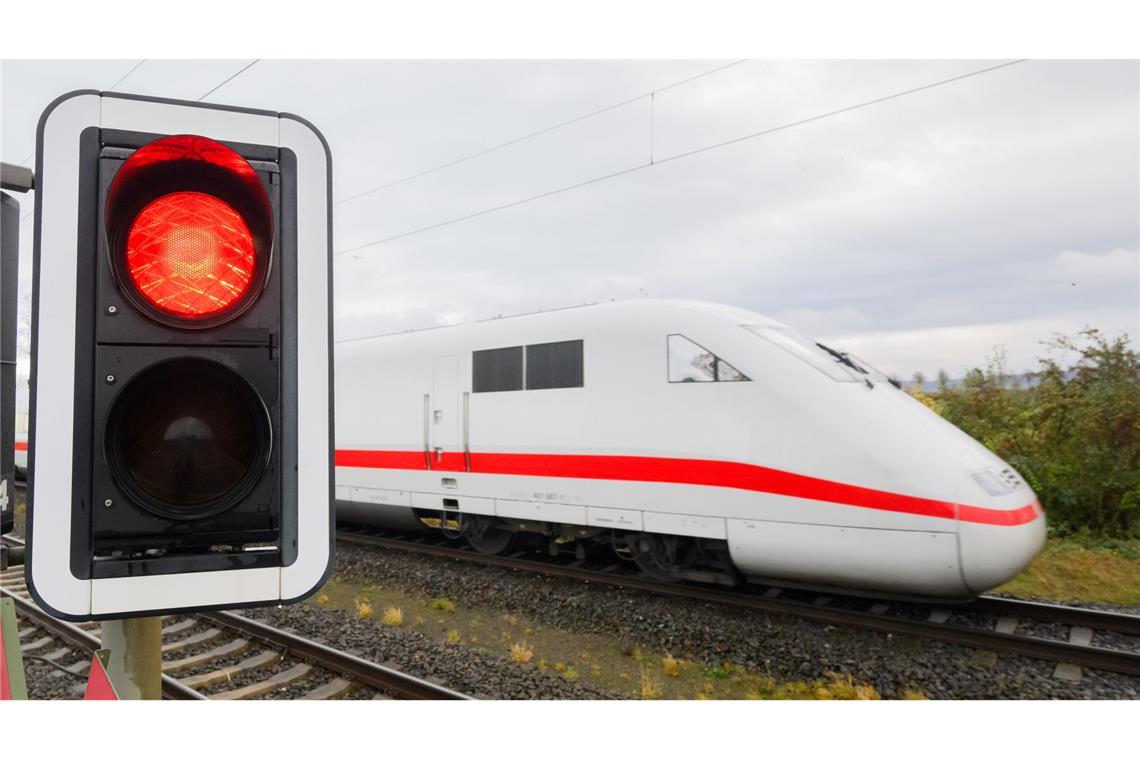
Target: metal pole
x=135, y=665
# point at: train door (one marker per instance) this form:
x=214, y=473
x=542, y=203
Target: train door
x=446, y=442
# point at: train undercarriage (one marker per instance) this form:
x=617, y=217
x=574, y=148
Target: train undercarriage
x=661, y=556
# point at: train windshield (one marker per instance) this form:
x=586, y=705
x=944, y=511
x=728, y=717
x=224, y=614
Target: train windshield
x=837, y=365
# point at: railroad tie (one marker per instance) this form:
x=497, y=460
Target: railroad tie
x=1006, y=625
x=260, y=660
x=57, y=654
x=334, y=689
x=39, y=643
x=204, y=637
x=237, y=646
x=1081, y=636
x=174, y=628
x=1066, y=671
x=80, y=666
x=277, y=681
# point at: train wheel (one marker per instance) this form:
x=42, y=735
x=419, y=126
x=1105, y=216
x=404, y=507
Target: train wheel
x=672, y=558
x=486, y=537
x=656, y=557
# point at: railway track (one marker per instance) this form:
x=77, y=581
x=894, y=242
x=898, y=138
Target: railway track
x=989, y=623
x=220, y=656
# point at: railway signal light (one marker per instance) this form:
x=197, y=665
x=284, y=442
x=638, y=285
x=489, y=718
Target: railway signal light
x=181, y=412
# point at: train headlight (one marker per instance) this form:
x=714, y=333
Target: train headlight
x=991, y=482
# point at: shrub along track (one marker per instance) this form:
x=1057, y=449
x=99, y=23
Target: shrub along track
x=1064, y=634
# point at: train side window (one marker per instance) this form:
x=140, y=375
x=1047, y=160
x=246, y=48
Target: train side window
x=690, y=362
x=497, y=369
x=554, y=365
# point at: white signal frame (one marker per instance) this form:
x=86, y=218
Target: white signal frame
x=51, y=444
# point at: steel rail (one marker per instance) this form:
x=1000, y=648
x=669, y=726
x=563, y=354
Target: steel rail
x=1100, y=620
x=369, y=673
x=85, y=642
x=1099, y=658
x=363, y=671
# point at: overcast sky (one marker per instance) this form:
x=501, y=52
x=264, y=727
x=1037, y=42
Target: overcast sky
x=920, y=232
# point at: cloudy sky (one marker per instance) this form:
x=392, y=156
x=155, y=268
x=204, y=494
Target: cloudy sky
x=920, y=232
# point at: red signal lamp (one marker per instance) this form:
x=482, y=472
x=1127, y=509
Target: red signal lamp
x=190, y=231
x=190, y=254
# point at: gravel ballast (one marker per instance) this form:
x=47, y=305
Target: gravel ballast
x=783, y=647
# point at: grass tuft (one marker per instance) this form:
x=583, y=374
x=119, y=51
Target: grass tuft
x=363, y=608
x=393, y=616
x=670, y=666
x=836, y=686
x=453, y=637
x=650, y=689
x=443, y=605
x=723, y=670
x=521, y=653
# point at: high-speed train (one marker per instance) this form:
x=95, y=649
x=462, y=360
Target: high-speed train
x=701, y=441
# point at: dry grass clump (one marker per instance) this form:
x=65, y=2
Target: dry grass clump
x=363, y=608
x=393, y=616
x=521, y=653
x=323, y=600
x=670, y=666
x=650, y=689
x=453, y=637
x=836, y=686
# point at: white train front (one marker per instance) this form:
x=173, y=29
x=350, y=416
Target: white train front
x=703, y=441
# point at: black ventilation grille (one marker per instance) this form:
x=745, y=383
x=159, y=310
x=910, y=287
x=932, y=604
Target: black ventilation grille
x=497, y=369
x=554, y=365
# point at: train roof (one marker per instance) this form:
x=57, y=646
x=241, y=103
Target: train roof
x=599, y=313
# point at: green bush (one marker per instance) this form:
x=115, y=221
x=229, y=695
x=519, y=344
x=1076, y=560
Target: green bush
x=1074, y=434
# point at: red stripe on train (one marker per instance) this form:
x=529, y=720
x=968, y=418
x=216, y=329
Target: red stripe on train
x=21, y=445
x=703, y=472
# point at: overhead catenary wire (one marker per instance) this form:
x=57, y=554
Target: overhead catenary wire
x=537, y=133
x=123, y=78
x=229, y=79
x=686, y=154
x=118, y=82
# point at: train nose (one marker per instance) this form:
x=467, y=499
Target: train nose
x=1001, y=526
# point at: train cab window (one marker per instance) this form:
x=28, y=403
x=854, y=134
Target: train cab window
x=690, y=362
x=554, y=365
x=497, y=369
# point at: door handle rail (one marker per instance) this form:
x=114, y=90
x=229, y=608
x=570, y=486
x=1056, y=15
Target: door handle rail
x=427, y=430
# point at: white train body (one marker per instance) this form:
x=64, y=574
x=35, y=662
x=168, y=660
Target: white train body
x=21, y=432
x=807, y=471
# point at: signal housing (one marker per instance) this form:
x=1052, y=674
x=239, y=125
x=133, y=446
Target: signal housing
x=193, y=358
